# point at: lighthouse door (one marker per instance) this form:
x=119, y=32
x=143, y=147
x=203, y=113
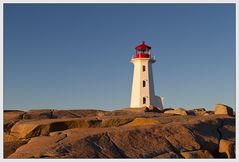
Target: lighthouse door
x=144, y=100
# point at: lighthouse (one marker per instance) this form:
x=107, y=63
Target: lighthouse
x=143, y=85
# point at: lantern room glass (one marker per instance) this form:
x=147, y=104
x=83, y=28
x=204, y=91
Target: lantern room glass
x=143, y=51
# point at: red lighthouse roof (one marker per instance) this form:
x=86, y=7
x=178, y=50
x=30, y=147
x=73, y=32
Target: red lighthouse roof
x=142, y=46
x=142, y=51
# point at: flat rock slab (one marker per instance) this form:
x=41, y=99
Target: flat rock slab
x=28, y=129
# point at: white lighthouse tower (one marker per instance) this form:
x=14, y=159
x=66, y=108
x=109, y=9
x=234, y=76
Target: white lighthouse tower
x=143, y=84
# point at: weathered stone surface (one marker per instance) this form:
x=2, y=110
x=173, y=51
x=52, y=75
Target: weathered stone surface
x=199, y=109
x=39, y=147
x=11, y=146
x=166, y=109
x=9, y=137
x=128, y=111
x=191, y=112
x=168, y=155
x=221, y=109
x=115, y=122
x=121, y=134
x=28, y=129
x=205, y=132
x=210, y=112
x=59, y=114
x=178, y=111
x=227, y=148
x=197, y=154
x=133, y=142
x=146, y=109
x=151, y=108
x=12, y=116
x=227, y=129
x=143, y=121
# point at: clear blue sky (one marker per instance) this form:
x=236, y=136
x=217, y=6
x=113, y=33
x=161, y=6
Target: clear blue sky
x=78, y=55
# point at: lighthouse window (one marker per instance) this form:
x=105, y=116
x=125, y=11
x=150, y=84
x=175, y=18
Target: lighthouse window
x=143, y=67
x=144, y=100
x=144, y=83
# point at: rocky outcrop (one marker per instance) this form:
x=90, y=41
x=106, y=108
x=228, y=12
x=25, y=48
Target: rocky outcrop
x=11, y=146
x=178, y=111
x=11, y=118
x=123, y=134
x=197, y=154
x=168, y=155
x=166, y=109
x=152, y=108
x=221, y=109
x=29, y=129
x=199, y=109
x=143, y=121
x=227, y=148
x=11, y=143
x=127, y=142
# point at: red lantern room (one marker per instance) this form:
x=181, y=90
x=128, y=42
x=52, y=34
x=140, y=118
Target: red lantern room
x=143, y=51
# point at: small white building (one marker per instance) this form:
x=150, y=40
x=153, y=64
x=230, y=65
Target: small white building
x=143, y=84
